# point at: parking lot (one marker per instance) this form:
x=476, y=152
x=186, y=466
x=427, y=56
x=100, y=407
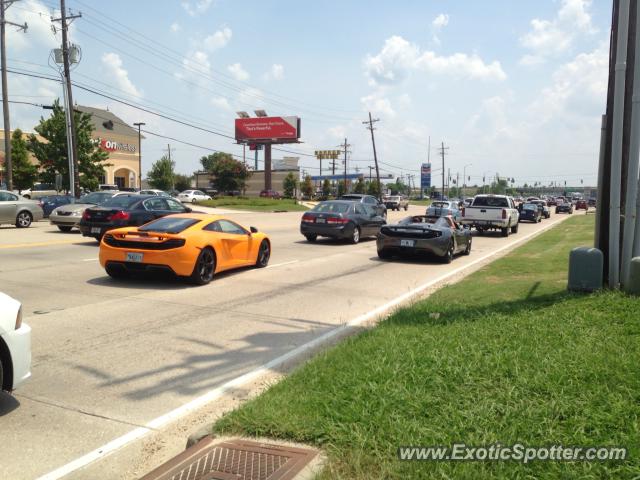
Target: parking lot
x=110, y=356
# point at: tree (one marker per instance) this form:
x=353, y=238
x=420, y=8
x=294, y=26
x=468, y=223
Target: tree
x=181, y=182
x=230, y=174
x=52, y=155
x=359, y=187
x=289, y=185
x=24, y=172
x=373, y=188
x=326, y=189
x=161, y=175
x=307, y=187
x=341, y=188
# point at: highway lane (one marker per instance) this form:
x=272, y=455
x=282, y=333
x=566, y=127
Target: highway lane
x=109, y=356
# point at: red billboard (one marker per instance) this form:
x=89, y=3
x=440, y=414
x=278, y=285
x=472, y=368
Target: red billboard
x=268, y=129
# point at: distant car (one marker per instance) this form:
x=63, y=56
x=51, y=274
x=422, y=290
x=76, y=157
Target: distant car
x=67, y=217
x=370, y=200
x=18, y=211
x=194, y=246
x=440, y=236
x=158, y=193
x=270, y=194
x=592, y=202
x=543, y=207
x=582, y=205
x=444, y=209
x=396, y=202
x=108, y=186
x=193, y=196
x=126, y=210
x=530, y=212
x=39, y=190
x=15, y=345
x=129, y=189
x=552, y=202
x=51, y=202
x=564, y=207
x=341, y=219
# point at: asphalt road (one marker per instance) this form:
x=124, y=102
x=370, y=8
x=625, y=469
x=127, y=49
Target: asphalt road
x=110, y=356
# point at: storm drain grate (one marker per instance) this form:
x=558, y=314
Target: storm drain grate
x=234, y=460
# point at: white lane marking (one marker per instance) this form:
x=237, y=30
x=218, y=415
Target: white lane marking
x=89, y=259
x=283, y=264
x=216, y=393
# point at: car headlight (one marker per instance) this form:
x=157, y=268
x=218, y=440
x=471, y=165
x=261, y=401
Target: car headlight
x=19, y=318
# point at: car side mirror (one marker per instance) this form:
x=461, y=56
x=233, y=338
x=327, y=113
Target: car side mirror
x=188, y=209
x=253, y=229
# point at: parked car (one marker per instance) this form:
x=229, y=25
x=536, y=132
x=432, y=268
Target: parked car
x=18, y=211
x=582, y=205
x=396, y=202
x=543, y=207
x=444, y=209
x=158, y=193
x=530, y=212
x=367, y=200
x=108, y=186
x=564, y=207
x=51, y=202
x=126, y=210
x=270, y=194
x=436, y=235
x=341, y=219
x=67, y=217
x=39, y=190
x=193, y=196
x=15, y=345
x=194, y=246
x=492, y=212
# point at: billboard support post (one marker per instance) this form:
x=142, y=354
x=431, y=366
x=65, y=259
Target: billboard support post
x=267, y=167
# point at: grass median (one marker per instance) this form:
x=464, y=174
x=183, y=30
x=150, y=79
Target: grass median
x=255, y=204
x=507, y=355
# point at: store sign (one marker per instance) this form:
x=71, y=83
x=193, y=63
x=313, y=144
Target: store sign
x=425, y=176
x=113, y=146
x=269, y=129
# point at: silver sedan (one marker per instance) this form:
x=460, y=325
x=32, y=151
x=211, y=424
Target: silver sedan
x=18, y=211
x=68, y=216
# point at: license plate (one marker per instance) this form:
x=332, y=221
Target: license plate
x=407, y=243
x=134, y=257
x=96, y=230
x=321, y=220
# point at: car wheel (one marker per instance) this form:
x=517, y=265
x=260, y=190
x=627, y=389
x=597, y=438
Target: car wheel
x=355, y=236
x=448, y=257
x=467, y=250
x=505, y=231
x=24, y=219
x=311, y=238
x=117, y=272
x=64, y=229
x=193, y=200
x=264, y=253
x=204, y=268
x=28, y=197
x=383, y=254
x=514, y=229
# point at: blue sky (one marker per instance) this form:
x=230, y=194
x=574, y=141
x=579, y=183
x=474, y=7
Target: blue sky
x=517, y=91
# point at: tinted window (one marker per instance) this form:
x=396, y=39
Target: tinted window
x=369, y=210
x=529, y=206
x=156, y=204
x=332, y=207
x=7, y=197
x=95, y=198
x=227, y=226
x=175, y=206
x=122, y=201
x=360, y=210
x=169, y=225
x=370, y=200
x=490, y=202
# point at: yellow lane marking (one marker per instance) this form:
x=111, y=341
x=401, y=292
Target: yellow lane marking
x=43, y=244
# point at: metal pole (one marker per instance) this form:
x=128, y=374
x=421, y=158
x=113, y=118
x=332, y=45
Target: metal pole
x=616, y=150
x=139, y=125
x=67, y=119
x=267, y=166
x=603, y=140
x=345, y=166
x=5, y=102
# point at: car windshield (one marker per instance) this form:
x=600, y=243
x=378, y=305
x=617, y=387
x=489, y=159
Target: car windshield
x=95, y=198
x=491, y=202
x=121, y=201
x=332, y=207
x=169, y=225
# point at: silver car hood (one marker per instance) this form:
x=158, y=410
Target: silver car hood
x=74, y=207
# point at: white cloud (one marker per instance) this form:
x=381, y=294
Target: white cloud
x=175, y=27
x=39, y=33
x=378, y=103
x=197, y=61
x=276, y=72
x=548, y=38
x=115, y=70
x=252, y=98
x=399, y=57
x=196, y=7
x=218, y=39
x=221, y=103
x=440, y=21
x=238, y=72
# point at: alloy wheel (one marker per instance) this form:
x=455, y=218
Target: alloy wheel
x=206, y=265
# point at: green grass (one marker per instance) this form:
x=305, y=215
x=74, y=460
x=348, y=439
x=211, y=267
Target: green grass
x=424, y=202
x=255, y=204
x=507, y=355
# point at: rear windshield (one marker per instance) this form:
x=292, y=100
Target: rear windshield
x=490, y=202
x=332, y=207
x=440, y=204
x=530, y=206
x=169, y=225
x=121, y=201
x=95, y=198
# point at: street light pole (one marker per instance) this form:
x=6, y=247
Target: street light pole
x=464, y=177
x=139, y=125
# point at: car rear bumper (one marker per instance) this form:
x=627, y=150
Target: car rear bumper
x=64, y=220
x=179, y=261
x=19, y=343
x=434, y=246
x=484, y=223
x=337, y=231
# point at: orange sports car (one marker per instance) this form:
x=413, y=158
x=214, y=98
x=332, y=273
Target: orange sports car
x=191, y=245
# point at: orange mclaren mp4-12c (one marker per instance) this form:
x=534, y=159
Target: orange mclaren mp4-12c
x=190, y=245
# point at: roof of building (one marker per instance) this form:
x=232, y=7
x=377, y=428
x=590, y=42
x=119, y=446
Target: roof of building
x=106, y=122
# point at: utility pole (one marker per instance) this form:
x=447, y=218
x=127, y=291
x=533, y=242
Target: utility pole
x=169, y=150
x=345, y=146
x=8, y=164
x=370, y=169
x=370, y=122
x=139, y=124
x=443, y=150
x=64, y=23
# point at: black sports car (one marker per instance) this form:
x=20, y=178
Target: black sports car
x=341, y=219
x=127, y=210
x=440, y=236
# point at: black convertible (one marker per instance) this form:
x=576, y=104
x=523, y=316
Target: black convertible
x=440, y=236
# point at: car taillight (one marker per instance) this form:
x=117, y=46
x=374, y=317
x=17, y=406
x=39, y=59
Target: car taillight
x=121, y=215
x=308, y=218
x=19, y=318
x=504, y=213
x=86, y=215
x=337, y=221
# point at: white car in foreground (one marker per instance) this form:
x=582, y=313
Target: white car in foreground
x=193, y=196
x=15, y=344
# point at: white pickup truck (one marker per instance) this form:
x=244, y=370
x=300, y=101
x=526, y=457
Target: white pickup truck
x=492, y=212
